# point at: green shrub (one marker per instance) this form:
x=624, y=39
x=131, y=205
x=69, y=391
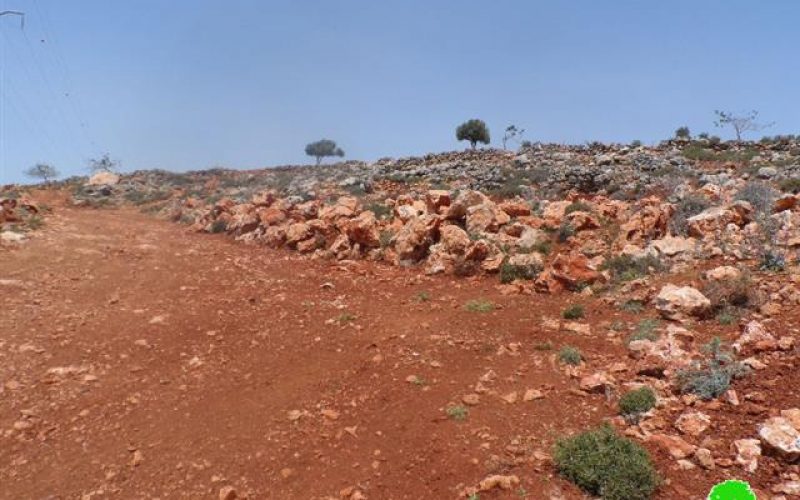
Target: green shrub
x=565, y=232
x=727, y=316
x=646, y=330
x=510, y=272
x=632, y=306
x=689, y=206
x=570, y=355
x=790, y=185
x=760, y=195
x=457, y=412
x=628, y=268
x=739, y=293
x=637, y=401
x=577, y=206
x=479, y=306
x=711, y=377
x=772, y=261
x=219, y=226
x=606, y=465
x=380, y=210
x=574, y=311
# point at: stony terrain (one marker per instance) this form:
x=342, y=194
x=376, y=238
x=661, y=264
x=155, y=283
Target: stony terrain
x=412, y=328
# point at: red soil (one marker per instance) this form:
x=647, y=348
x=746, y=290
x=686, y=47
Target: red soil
x=190, y=352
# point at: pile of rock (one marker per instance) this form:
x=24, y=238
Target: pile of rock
x=470, y=232
x=18, y=215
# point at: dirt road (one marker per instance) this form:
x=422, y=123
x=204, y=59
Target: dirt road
x=138, y=360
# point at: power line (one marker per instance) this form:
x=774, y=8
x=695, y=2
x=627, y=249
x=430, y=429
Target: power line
x=40, y=95
x=74, y=99
x=49, y=99
x=43, y=73
x=15, y=13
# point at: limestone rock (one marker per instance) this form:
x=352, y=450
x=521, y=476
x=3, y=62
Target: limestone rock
x=676, y=303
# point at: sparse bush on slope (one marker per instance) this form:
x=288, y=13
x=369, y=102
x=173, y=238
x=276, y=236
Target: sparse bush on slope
x=711, y=377
x=607, y=465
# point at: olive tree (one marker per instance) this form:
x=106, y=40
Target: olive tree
x=474, y=131
x=683, y=133
x=740, y=123
x=103, y=164
x=42, y=171
x=512, y=133
x=323, y=148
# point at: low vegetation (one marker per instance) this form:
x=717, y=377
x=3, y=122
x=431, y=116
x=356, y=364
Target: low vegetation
x=574, y=311
x=511, y=272
x=688, y=206
x=634, y=403
x=712, y=376
x=457, y=412
x=570, y=355
x=732, y=294
x=628, y=268
x=646, y=329
x=607, y=465
x=577, y=206
x=760, y=195
x=479, y=305
x=218, y=226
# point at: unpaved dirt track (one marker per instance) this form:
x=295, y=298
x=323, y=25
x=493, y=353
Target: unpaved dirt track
x=138, y=360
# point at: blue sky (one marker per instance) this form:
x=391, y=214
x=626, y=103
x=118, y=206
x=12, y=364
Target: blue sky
x=185, y=84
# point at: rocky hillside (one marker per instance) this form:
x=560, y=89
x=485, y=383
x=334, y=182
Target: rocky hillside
x=701, y=240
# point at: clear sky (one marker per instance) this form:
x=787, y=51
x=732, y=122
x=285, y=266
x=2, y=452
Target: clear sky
x=190, y=84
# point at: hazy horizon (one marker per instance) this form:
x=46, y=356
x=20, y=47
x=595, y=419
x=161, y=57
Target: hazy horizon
x=190, y=85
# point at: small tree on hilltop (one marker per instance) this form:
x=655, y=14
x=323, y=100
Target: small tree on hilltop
x=42, y=171
x=683, y=133
x=103, y=164
x=322, y=148
x=474, y=131
x=512, y=133
x=740, y=123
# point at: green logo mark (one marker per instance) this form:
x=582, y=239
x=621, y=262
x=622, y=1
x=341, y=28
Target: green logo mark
x=732, y=490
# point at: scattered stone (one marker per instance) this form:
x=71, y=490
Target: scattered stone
x=693, y=423
x=674, y=445
x=330, y=414
x=780, y=436
x=597, y=382
x=532, y=394
x=227, y=493
x=471, y=399
x=791, y=488
x=754, y=334
x=677, y=303
x=747, y=453
x=498, y=481
x=510, y=398
x=704, y=458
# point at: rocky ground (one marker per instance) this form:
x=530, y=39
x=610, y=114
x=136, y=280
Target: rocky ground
x=413, y=328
